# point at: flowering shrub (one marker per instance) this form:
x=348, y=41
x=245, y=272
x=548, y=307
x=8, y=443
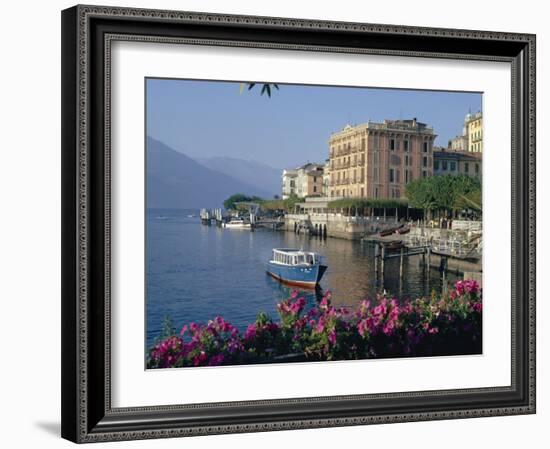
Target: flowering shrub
x=445, y=325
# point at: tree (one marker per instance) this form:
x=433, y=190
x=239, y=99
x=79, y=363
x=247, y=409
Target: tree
x=445, y=193
x=230, y=203
x=266, y=88
x=420, y=194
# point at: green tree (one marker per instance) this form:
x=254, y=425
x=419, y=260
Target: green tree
x=230, y=203
x=420, y=194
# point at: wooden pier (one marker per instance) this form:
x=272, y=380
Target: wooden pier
x=442, y=256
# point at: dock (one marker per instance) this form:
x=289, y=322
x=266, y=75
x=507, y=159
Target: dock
x=447, y=255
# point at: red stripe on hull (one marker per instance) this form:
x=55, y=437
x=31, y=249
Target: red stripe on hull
x=293, y=283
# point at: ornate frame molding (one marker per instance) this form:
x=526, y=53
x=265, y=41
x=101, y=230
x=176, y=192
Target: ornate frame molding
x=86, y=213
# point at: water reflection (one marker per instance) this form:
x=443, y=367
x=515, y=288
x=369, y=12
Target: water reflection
x=196, y=272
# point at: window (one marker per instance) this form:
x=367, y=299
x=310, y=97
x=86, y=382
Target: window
x=362, y=191
x=406, y=160
x=425, y=147
x=425, y=161
x=453, y=166
x=406, y=176
x=376, y=192
x=314, y=189
x=315, y=179
x=424, y=173
x=392, y=144
x=466, y=167
x=436, y=165
x=363, y=143
x=392, y=175
x=397, y=177
x=477, y=169
x=444, y=165
x=405, y=145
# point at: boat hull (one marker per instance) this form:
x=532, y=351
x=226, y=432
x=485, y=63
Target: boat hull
x=236, y=226
x=306, y=276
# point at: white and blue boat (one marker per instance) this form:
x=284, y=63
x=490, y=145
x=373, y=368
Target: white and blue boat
x=296, y=267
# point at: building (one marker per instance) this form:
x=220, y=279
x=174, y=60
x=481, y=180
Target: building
x=474, y=127
x=459, y=143
x=448, y=162
x=326, y=178
x=304, y=181
x=289, y=182
x=377, y=160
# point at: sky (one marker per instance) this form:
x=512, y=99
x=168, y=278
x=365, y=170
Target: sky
x=206, y=119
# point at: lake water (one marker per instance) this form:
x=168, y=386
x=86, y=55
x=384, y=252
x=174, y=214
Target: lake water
x=195, y=272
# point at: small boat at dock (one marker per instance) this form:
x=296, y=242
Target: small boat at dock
x=296, y=267
x=390, y=231
x=237, y=223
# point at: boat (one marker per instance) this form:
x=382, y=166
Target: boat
x=390, y=231
x=296, y=267
x=237, y=223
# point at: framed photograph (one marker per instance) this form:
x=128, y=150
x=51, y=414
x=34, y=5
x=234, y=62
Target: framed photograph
x=284, y=223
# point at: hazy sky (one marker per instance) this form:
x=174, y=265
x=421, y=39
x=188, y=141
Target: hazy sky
x=210, y=118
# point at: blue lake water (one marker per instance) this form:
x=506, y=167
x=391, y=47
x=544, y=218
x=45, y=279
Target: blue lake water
x=195, y=272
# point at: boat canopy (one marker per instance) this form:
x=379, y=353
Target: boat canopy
x=294, y=257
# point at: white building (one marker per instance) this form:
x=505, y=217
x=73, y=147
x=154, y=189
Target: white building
x=304, y=181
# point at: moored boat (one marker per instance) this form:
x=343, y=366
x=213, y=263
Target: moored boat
x=296, y=267
x=237, y=223
x=390, y=231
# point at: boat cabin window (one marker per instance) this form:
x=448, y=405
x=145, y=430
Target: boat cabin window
x=309, y=259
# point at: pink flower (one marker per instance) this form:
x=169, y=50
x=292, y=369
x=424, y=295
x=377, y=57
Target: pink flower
x=388, y=328
x=250, y=332
x=320, y=326
x=332, y=337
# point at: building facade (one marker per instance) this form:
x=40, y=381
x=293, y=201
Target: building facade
x=304, y=181
x=326, y=178
x=289, y=182
x=448, y=162
x=459, y=143
x=474, y=125
x=377, y=160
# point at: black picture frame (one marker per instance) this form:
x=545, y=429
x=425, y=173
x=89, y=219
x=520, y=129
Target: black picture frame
x=87, y=414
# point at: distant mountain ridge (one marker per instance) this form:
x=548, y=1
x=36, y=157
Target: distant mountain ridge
x=255, y=173
x=174, y=180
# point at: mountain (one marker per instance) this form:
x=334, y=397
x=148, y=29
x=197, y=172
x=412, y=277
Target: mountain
x=255, y=173
x=174, y=180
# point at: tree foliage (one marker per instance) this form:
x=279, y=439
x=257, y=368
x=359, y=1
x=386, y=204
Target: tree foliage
x=230, y=203
x=445, y=193
x=267, y=88
x=280, y=204
x=363, y=203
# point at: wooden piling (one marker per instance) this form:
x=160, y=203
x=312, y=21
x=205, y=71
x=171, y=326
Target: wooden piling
x=382, y=259
x=401, y=263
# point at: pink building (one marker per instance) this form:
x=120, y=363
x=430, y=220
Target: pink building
x=377, y=160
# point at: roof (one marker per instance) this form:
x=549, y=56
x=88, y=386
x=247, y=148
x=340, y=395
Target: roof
x=457, y=155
